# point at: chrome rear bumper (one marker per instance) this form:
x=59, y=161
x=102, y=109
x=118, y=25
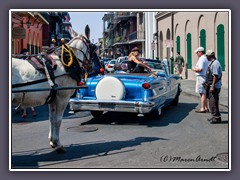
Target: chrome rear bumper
x=107, y=105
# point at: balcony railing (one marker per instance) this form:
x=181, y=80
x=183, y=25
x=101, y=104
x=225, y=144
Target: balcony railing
x=109, y=42
x=120, y=39
x=124, y=39
x=136, y=35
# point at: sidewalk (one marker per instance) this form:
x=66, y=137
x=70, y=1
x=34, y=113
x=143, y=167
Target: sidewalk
x=188, y=87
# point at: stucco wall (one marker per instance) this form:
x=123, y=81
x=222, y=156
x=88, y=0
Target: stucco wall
x=193, y=22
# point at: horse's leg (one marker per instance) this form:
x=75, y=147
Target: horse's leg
x=56, y=110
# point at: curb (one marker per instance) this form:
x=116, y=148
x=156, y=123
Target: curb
x=196, y=96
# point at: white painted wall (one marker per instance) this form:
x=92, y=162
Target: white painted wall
x=150, y=29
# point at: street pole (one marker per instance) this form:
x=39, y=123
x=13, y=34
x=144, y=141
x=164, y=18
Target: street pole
x=172, y=54
x=152, y=47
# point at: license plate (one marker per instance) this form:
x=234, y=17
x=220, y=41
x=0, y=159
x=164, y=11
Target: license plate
x=106, y=106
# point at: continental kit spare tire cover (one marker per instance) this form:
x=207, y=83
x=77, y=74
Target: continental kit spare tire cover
x=110, y=88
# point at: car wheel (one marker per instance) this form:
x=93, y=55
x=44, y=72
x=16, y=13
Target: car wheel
x=97, y=114
x=176, y=99
x=155, y=114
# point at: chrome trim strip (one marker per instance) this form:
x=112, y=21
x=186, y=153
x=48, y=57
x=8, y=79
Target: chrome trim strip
x=110, y=105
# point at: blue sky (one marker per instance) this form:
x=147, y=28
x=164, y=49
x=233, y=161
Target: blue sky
x=94, y=20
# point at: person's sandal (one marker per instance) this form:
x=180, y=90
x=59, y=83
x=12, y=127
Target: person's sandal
x=199, y=111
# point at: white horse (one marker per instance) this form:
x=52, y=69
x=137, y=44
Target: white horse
x=23, y=71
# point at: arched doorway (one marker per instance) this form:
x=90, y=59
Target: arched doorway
x=161, y=45
x=168, y=38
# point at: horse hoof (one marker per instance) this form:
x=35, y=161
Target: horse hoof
x=61, y=150
x=53, y=145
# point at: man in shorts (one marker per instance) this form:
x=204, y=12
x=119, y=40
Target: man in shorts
x=179, y=64
x=200, y=70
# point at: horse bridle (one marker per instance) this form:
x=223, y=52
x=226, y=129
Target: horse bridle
x=53, y=91
x=86, y=42
x=86, y=61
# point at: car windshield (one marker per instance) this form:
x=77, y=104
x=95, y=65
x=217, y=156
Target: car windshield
x=112, y=62
x=124, y=62
x=155, y=65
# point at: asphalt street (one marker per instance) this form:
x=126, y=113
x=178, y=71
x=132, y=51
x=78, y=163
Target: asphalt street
x=179, y=138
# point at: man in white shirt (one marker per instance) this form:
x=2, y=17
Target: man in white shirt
x=200, y=71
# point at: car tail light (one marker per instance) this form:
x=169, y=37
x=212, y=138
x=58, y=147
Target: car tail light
x=80, y=83
x=109, y=66
x=146, y=85
x=101, y=70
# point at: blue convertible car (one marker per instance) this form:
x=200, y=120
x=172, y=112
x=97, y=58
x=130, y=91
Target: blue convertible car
x=142, y=93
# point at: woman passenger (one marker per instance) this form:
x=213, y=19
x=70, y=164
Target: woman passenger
x=135, y=64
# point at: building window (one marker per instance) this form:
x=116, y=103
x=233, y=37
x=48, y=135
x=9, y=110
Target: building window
x=178, y=43
x=220, y=46
x=189, y=51
x=203, y=38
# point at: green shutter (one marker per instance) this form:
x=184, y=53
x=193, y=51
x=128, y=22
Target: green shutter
x=203, y=38
x=189, y=51
x=220, y=46
x=178, y=44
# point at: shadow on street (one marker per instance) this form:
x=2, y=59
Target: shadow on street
x=42, y=115
x=170, y=114
x=75, y=152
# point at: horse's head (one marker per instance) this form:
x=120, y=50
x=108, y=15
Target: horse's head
x=84, y=50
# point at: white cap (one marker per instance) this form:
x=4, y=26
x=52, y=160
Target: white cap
x=210, y=52
x=199, y=49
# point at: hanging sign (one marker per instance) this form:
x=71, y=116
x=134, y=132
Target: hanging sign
x=152, y=46
x=19, y=33
x=168, y=43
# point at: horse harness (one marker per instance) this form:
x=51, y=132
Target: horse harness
x=44, y=63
